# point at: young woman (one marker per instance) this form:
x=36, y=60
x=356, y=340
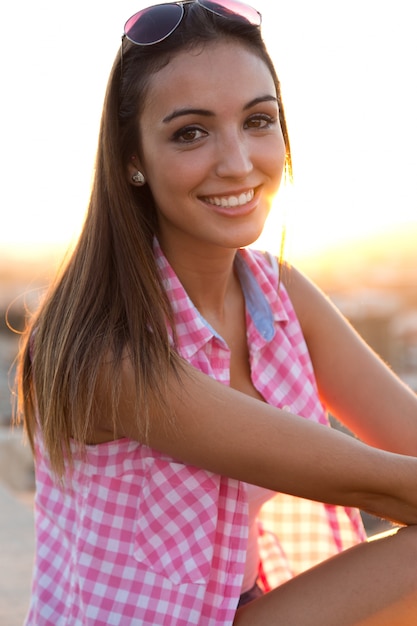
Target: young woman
x=174, y=380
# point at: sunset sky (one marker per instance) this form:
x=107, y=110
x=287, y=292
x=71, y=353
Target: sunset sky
x=348, y=78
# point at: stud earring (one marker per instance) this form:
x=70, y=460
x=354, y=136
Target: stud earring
x=138, y=178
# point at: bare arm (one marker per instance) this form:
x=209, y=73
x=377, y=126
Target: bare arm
x=356, y=386
x=227, y=432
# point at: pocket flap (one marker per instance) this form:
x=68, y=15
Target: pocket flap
x=177, y=521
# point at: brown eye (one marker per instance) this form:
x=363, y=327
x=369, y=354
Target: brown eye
x=260, y=121
x=189, y=134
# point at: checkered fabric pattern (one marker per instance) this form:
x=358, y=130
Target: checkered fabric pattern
x=137, y=538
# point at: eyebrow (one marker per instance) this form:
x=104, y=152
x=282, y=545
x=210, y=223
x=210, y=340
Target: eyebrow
x=187, y=111
x=255, y=101
x=205, y=112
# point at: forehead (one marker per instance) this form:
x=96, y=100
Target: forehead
x=214, y=76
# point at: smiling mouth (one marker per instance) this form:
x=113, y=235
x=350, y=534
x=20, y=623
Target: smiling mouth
x=231, y=201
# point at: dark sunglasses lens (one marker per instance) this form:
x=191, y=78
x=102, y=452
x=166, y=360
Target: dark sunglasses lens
x=233, y=8
x=153, y=24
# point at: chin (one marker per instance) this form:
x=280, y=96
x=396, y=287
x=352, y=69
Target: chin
x=247, y=239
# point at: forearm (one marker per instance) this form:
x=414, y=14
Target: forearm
x=391, y=492
x=328, y=466
x=229, y=433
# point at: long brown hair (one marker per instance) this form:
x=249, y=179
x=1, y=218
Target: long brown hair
x=109, y=299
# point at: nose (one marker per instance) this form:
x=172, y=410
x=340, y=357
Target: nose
x=234, y=159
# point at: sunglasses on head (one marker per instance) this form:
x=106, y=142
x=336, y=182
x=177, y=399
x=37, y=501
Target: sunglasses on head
x=158, y=22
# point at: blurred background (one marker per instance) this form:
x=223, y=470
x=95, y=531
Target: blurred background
x=347, y=73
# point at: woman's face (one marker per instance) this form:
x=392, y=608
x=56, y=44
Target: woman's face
x=211, y=149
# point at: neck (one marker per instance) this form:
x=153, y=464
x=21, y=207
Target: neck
x=207, y=276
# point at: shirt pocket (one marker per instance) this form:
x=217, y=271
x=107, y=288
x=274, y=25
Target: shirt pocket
x=177, y=521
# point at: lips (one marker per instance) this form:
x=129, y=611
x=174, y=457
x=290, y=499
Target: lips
x=231, y=201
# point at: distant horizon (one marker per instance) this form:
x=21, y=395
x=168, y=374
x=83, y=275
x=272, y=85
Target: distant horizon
x=44, y=254
x=353, y=142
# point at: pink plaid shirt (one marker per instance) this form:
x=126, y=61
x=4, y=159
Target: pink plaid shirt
x=139, y=538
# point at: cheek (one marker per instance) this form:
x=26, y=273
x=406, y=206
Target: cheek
x=280, y=149
x=161, y=177
x=170, y=177
x=161, y=163
x=168, y=190
x=273, y=160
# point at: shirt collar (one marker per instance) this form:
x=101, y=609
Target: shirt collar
x=263, y=305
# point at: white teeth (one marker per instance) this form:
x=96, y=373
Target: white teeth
x=231, y=201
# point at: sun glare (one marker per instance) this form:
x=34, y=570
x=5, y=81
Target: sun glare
x=349, y=98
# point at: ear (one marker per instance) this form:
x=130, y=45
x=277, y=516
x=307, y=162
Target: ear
x=134, y=170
